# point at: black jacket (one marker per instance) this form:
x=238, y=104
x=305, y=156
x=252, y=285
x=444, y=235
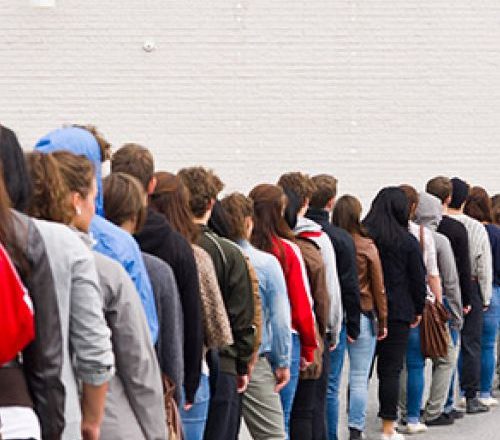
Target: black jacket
x=345, y=253
x=457, y=234
x=159, y=239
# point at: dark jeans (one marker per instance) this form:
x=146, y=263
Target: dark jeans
x=224, y=408
x=301, y=419
x=470, y=353
x=319, y=414
x=391, y=352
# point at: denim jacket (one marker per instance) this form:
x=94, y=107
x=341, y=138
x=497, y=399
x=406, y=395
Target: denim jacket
x=276, y=320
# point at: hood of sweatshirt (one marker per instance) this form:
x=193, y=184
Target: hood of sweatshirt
x=306, y=225
x=429, y=211
x=155, y=234
x=78, y=141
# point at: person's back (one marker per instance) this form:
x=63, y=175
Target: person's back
x=494, y=236
x=84, y=330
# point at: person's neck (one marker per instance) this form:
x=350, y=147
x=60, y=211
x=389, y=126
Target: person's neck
x=129, y=226
x=454, y=211
x=202, y=220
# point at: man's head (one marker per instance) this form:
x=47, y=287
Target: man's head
x=441, y=188
x=203, y=186
x=239, y=209
x=324, y=193
x=300, y=184
x=460, y=192
x=137, y=161
x=412, y=196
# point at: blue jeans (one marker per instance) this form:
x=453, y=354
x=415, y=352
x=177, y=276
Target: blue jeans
x=415, y=364
x=448, y=407
x=193, y=421
x=288, y=392
x=360, y=356
x=332, y=396
x=491, y=322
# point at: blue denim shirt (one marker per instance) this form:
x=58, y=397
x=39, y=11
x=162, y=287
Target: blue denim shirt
x=276, y=319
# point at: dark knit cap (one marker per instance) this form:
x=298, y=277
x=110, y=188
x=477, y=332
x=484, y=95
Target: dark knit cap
x=459, y=193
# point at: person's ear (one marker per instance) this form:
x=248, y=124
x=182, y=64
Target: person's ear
x=211, y=204
x=76, y=201
x=330, y=204
x=152, y=185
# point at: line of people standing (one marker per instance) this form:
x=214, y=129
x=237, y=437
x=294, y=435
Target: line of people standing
x=161, y=311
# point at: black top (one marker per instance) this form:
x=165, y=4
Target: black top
x=404, y=279
x=159, y=239
x=457, y=234
x=345, y=254
x=494, y=235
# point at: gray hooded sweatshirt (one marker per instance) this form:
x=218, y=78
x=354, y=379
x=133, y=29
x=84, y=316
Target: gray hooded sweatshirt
x=429, y=213
x=314, y=232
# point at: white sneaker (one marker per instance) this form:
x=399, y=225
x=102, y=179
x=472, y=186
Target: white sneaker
x=415, y=428
x=489, y=401
x=462, y=402
x=395, y=436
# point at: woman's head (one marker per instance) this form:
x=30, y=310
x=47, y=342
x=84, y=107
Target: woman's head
x=347, y=214
x=239, y=210
x=124, y=201
x=478, y=205
x=387, y=220
x=171, y=198
x=79, y=176
x=495, y=203
x=50, y=199
x=269, y=202
x=15, y=173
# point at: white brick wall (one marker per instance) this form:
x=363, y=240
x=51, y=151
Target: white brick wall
x=374, y=91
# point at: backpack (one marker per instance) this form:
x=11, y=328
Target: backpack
x=17, y=325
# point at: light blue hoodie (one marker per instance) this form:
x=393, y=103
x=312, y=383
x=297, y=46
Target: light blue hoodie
x=111, y=240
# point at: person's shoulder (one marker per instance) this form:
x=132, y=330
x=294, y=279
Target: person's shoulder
x=67, y=240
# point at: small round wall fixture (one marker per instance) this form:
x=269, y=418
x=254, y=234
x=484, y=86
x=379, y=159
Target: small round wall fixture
x=43, y=3
x=149, y=46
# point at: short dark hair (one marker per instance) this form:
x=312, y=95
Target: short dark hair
x=300, y=184
x=203, y=186
x=237, y=207
x=124, y=199
x=478, y=205
x=440, y=187
x=412, y=196
x=326, y=189
x=136, y=160
x=459, y=193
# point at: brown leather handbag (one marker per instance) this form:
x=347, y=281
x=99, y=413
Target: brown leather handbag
x=434, y=335
x=174, y=424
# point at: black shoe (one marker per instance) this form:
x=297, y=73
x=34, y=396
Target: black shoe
x=456, y=414
x=474, y=406
x=355, y=434
x=443, y=420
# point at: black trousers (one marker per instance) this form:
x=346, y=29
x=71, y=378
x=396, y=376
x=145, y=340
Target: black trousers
x=470, y=378
x=390, y=356
x=301, y=418
x=224, y=411
x=319, y=414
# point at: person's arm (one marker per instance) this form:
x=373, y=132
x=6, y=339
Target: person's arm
x=416, y=275
x=485, y=268
x=93, y=402
x=462, y=256
x=279, y=316
x=377, y=287
x=336, y=315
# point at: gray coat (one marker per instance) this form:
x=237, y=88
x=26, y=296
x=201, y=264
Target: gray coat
x=429, y=213
x=169, y=346
x=134, y=405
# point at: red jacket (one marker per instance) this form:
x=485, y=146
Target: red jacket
x=301, y=307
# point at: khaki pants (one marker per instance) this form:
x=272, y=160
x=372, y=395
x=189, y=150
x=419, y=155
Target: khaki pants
x=262, y=409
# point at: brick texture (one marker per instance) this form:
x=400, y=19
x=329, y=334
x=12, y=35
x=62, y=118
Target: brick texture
x=375, y=92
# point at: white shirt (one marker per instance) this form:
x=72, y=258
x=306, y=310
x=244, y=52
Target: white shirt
x=429, y=254
x=18, y=422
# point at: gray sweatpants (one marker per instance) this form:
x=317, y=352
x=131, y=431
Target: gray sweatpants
x=262, y=408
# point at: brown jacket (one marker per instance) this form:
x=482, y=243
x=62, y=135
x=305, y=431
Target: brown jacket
x=371, y=279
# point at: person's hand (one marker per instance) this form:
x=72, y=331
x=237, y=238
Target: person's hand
x=282, y=378
x=90, y=431
x=304, y=363
x=382, y=334
x=332, y=347
x=350, y=340
x=242, y=383
x=416, y=322
x=467, y=310
x=187, y=406
x=485, y=308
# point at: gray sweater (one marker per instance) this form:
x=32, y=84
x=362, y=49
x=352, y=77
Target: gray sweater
x=169, y=346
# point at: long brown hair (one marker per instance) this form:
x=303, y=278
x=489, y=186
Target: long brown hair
x=347, y=215
x=478, y=205
x=50, y=199
x=269, y=202
x=171, y=198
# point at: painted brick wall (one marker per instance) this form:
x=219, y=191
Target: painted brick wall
x=375, y=91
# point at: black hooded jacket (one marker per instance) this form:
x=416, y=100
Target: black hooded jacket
x=346, y=268
x=159, y=239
